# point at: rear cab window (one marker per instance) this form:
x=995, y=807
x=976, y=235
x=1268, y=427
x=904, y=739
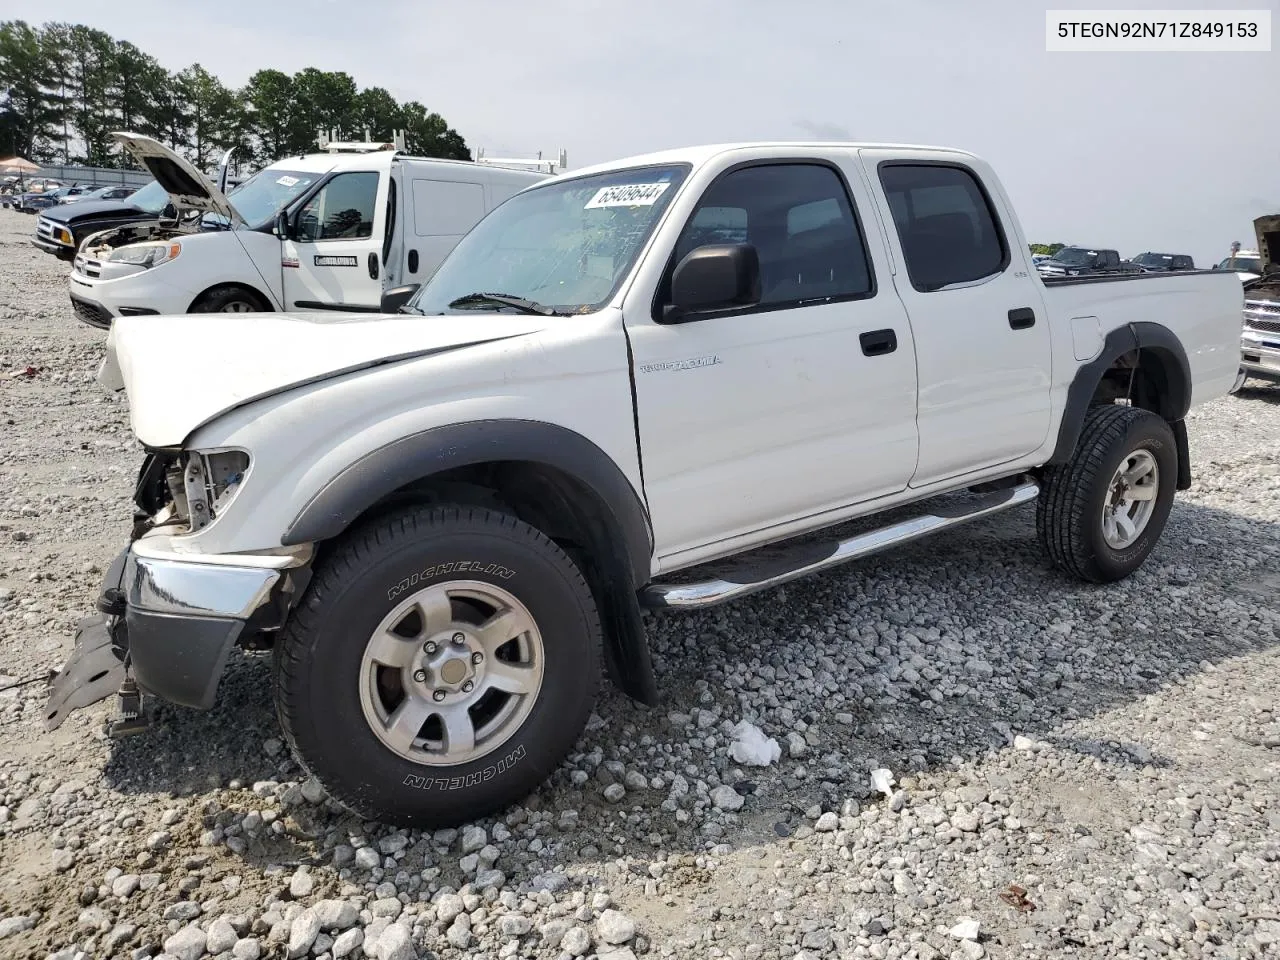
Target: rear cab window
x=946, y=224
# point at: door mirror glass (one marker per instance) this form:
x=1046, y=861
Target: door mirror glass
x=397, y=297
x=715, y=277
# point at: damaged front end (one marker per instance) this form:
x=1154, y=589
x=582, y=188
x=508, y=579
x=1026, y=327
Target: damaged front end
x=122, y=251
x=1260, y=336
x=169, y=619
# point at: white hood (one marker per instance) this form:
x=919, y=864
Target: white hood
x=187, y=187
x=244, y=357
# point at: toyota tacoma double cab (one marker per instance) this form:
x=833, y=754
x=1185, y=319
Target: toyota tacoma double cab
x=663, y=382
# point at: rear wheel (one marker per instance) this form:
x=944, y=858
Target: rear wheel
x=230, y=300
x=441, y=665
x=1100, y=514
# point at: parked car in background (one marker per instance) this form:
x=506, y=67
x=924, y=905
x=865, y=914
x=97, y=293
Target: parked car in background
x=61, y=229
x=100, y=193
x=618, y=387
x=1083, y=262
x=328, y=231
x=30, y=202
x=1260, y=335
x=1163, y=262
x=1247, y=264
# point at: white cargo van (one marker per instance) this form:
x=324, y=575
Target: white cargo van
x=326, y=231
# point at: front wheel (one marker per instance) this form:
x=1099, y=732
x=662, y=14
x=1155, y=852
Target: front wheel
x=441, y=665
x=1100, y=514
x=230, y=300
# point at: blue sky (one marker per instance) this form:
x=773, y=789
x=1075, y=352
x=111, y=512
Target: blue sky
x=1136, y=151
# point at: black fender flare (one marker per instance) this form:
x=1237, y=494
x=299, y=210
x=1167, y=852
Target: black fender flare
x=1142, y=337
x=420, y=455
x=627, y=547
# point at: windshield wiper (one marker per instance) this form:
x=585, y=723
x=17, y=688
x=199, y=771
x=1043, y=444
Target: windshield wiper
x=506, y=300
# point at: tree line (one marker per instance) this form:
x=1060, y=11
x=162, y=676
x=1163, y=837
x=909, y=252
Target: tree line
x=65, y=87
x=1046, y=248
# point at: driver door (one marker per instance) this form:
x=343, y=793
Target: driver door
x=332, y=258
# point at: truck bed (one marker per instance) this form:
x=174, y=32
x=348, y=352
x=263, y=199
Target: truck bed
x=1203, y=308
x=1115, y=277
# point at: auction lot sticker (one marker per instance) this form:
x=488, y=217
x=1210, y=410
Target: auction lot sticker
x=627, y=195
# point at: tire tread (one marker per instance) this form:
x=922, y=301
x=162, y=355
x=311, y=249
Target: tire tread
x=1066, y=488
x=354, y=552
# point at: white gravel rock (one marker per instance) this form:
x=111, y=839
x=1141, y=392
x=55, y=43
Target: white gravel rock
x=221, y=936
x=576, y=941
x=14, y=925
x=187, y=944
x=394, y=943
x=615, y=927
x=335, y=914
x=726, y=798
x=302, y=933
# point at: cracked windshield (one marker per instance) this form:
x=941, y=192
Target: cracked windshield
x=566, y=246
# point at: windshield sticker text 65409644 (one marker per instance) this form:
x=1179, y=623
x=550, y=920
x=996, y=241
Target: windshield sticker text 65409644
x=627, y=195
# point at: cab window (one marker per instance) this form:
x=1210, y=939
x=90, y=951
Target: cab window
x=343, y=209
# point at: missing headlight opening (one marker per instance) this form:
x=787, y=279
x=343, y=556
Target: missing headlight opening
x=187, y=490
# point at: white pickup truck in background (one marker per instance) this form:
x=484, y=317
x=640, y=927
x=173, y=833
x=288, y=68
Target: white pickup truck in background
x=1260, y=338
x=667, y=381
x=327, y=231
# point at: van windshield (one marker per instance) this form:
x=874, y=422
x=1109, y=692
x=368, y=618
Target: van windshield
x=268, y=191
x=566, y=245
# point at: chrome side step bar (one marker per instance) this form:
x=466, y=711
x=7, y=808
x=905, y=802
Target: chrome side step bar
x=777, y=570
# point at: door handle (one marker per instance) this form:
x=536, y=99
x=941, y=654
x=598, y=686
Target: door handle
x=1021, y=318
x=373, y=265
x=876, y=343
x=413, y=261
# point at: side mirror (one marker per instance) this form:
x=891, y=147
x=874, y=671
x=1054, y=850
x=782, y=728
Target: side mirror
x=714, y=277
x=282, y=225
x=397, y=297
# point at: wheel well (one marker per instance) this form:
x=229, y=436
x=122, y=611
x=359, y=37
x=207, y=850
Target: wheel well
x=572, y=516
x=1146, y=378
x=263, y=301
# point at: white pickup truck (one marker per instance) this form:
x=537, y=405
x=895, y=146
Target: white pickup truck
x=663, y=382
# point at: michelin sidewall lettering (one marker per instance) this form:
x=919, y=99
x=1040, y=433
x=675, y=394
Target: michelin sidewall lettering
x=454, y=570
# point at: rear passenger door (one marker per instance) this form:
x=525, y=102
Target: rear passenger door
x=982, y=338
x=801, y=404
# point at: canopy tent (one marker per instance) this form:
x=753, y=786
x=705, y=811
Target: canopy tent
x=18, y=165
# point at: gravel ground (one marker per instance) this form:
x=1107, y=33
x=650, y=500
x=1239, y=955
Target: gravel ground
x=1075, y=771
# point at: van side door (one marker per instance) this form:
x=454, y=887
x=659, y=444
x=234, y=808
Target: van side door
x=332, y=256
x=439, y=211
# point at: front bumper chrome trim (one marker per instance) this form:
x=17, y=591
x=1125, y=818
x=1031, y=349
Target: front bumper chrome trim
x=160, y=548
x=183, y=588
